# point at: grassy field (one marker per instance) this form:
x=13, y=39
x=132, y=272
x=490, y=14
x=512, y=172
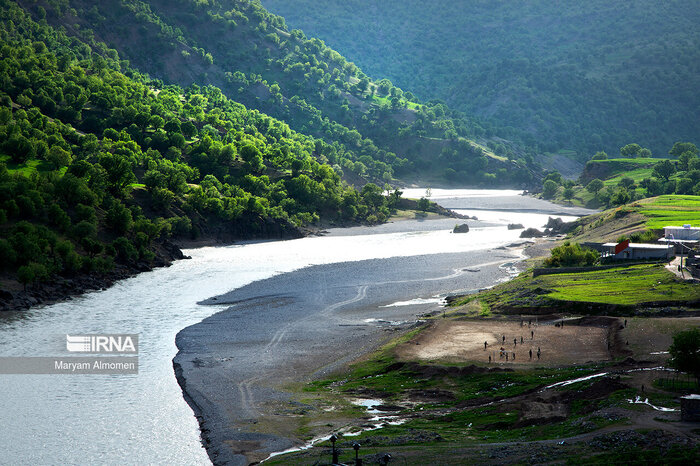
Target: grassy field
x=637, y=175
x=637, y=284
x=668, y=210
x=27, y=168
x=626, y=285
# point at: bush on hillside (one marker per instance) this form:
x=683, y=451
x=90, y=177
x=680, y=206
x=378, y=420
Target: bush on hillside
x=571, y=255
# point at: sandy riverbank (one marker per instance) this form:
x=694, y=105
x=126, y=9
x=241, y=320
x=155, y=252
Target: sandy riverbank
x=234, y=364
x=295, y=327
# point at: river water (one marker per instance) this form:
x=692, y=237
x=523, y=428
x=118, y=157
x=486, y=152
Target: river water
x=143, y=418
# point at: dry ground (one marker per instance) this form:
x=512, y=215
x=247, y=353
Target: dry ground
x=463, y=341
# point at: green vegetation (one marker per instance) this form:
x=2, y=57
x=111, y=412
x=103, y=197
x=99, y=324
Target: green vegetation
x=638, y=285
x=577, y=75
x=101, y=165
x=456, y=411
x=671, y=210
x=685, y=352
x=370, y=129
x=634, y=285
x=628, y=179
x=571, y=255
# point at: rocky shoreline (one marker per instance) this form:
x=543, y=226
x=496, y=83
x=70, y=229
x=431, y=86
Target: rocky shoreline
x=65, y=288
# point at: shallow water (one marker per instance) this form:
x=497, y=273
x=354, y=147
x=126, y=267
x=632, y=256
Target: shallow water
x=143, y=419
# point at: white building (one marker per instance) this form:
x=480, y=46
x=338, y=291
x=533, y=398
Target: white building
x=683, y=237
x=684, y=233
x=635, y=251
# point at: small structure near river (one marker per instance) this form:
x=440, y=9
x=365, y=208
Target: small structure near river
x=637, y=251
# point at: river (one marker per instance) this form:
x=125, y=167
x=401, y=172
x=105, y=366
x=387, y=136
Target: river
x=143, y=418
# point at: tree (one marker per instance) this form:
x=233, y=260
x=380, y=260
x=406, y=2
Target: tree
x=126, y=252
x=59, y=157
x=664, y=169
x=620, y=197
x=684, y=160
x=549, y=189
x=119, y=218
x=653, y=186
x=630, y=150
x=685, y=352
x=19, y=148
x=189, y=129
x=644, y=153
x=423, y=204
x=119, y=171
x=156, y=121
x=252, y=157
x=571, y=255
x=594, y=186
x=681, y=147
x=568, y=193
x=25, y=275
x=373, y=196
x=600, y=156
x=626, y=182
x=554, y=176
x=32, y=273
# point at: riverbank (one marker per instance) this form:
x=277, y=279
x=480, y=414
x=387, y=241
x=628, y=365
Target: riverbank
x=301, y=326
x=304, y=325
x=460, y=407
x=522, y=372
x=15, y=297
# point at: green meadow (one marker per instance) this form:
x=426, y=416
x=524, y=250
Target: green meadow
x=671, y=210
x=626, y=285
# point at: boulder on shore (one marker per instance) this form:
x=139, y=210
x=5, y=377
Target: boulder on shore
x=463, y=228
x=531, y=233
x=515, y=226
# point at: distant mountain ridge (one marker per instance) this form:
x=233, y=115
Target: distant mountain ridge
x=584, y=76
x=251, y=55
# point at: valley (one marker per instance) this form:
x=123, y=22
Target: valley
x=348, y=232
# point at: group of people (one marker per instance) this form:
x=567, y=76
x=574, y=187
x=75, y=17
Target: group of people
x=510, y=355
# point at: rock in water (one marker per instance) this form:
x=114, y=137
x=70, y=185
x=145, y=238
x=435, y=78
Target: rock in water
x=531, y=233
x=463, y=228
x=515, y=226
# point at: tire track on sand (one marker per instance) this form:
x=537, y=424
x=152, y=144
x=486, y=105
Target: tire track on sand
x=244, y=387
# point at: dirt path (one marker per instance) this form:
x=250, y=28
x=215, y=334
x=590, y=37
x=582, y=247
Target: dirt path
x=682, y=273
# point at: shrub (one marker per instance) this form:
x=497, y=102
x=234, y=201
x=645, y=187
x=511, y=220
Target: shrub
x=571, y=255
x=125, y=251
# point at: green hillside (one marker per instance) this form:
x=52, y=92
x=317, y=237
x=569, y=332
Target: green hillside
x=100, y=166
x=613, y=182
x=586, y=76
x=371, y=129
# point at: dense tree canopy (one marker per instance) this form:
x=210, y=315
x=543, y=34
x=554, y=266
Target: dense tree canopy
x=100, y=164
x=586, y=76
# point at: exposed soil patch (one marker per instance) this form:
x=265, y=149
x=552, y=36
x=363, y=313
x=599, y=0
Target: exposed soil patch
x=462, y=341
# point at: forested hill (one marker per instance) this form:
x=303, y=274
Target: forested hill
x=100, y=166
x=586, y=76
x=248, y=53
